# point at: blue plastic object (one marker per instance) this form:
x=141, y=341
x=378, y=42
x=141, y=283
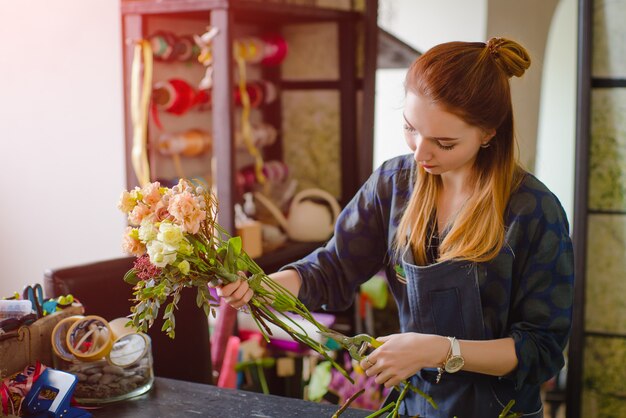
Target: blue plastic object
x=63, y=384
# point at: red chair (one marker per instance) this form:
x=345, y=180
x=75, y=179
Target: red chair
x=101, y=289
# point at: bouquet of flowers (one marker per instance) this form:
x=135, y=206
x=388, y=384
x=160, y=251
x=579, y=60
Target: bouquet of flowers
x=178, y=244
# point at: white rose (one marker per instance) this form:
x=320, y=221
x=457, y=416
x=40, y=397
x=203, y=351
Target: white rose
x=147, y=231
x=170, y=235
x=159, y=254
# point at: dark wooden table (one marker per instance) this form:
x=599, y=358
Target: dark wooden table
x=176, y=398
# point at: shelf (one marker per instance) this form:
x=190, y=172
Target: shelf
x=245, y=10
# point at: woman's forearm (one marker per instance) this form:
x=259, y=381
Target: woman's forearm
x=492, y=357
x=290, y=279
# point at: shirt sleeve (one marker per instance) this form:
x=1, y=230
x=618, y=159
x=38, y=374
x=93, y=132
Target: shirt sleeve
x=331, y=274
x=541, y=308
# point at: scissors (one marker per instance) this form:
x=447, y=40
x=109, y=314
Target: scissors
x=356, y=346
x=34, y=293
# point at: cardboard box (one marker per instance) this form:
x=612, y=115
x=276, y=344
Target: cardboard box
x=30, y=343
x=251, y=238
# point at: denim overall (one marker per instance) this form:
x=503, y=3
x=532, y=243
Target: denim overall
x=444, y=299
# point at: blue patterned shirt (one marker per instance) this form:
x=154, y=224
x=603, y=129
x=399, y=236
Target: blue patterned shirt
x=526, y=291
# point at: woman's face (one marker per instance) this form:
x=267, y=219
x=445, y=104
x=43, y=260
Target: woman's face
x=442, y=143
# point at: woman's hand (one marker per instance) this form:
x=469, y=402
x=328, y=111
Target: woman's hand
x=403, y=355
x=236, y=294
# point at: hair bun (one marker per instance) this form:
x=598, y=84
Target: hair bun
x=511, y=57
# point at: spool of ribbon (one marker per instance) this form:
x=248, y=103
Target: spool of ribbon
x=263, y=135
x=275, y=49
x=89, y=338
x=162, y=43
x=174, y=96
x=185, y=48
x=169, y=47
x=190, y=143
x=251, y=49
x=59, y=337
x=270, y=92
x=255, y=93
x=275, y=171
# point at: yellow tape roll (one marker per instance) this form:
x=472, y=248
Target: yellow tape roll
x=90, y=338
x=58, y=337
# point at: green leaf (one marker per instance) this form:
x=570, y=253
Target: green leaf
x=131, y=277
x=241, y=264
x=166, y=324
x=169, y=309
x=232, y=254
x=255, y=280
x=199, y=297
x=236, y=244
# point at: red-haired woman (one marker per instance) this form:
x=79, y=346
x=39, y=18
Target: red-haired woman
x=485, y=286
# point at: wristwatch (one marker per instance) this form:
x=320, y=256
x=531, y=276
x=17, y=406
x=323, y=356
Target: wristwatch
x=455, y=361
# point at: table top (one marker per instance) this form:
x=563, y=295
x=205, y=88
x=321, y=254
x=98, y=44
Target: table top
x=177, y=398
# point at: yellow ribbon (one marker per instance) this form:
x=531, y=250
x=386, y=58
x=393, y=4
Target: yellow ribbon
x=139, y=103
x=246, y=128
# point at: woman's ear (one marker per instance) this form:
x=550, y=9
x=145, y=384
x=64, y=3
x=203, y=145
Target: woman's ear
x=488, y=134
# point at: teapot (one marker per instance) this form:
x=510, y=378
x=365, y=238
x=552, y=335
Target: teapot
x=308, y=221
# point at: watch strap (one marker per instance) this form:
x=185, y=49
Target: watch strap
x=455, y=347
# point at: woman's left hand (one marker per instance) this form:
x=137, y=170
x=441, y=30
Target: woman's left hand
x=403, y=355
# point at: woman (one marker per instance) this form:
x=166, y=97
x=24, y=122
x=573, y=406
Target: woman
x=476, y=250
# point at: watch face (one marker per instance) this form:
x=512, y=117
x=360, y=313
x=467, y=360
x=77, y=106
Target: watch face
x=454, y=364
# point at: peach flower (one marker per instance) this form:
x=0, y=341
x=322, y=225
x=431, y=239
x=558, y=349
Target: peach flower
x=131, y=244
x=127, y=202
x=186, y=211
x=151, y=193
x=138, y=214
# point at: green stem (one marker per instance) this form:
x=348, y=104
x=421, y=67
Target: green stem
x=262, y=380
x=382, y=410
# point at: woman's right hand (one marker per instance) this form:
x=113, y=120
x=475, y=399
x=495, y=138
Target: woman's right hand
x=236, y=294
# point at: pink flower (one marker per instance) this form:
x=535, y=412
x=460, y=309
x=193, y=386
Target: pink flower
x=144, y=269
x=131, y=244
x=151, y=193
x=161, y=213
x=186, y=211
x=138, y=214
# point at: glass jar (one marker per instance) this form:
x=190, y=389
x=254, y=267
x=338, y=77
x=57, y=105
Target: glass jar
x=124, y=373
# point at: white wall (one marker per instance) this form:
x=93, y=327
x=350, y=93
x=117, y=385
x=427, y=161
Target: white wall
x=557, y=117
x=61, y=136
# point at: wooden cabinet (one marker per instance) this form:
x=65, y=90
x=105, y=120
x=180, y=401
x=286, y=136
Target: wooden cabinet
x=323, y=113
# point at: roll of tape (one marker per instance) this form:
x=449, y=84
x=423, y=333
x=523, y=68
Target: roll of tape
x=90, y=338
x=129, y=349
x=58, y=337
x=119, y=328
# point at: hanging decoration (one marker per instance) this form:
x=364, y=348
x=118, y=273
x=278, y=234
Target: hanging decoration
x=139, y=104
x=246, y=128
